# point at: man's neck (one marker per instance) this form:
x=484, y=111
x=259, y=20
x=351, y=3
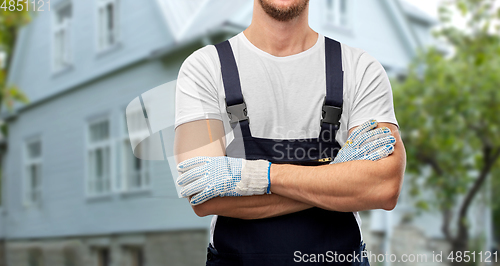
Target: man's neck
x=280, y=38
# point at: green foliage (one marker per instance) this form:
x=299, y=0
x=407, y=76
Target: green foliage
x=10, y=22
x=495, y=186
x=449, y=105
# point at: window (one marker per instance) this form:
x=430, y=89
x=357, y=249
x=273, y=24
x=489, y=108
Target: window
x=107, y=26
x=337, y=13
x=135, y=171
x=3, y=57
x=99, y=158
x=61, y=42
x=134, y=256
x=69, y=257
x=136, y=174
x=103, y=257
x=33, y=172
x=35, y=258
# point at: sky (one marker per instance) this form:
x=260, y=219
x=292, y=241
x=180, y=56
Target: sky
x=431, y=7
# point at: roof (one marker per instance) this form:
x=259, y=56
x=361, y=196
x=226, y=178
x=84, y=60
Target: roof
x=417, y=14
x=190, y=19
x=178, y=13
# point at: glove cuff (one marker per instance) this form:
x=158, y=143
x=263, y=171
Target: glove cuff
x=254, y=178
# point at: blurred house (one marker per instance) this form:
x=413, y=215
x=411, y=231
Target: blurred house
x=74, y=194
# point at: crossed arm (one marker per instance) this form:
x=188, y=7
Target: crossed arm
x=349, y=186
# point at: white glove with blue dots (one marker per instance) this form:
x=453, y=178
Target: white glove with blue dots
x=210, y=177
x=367, y=143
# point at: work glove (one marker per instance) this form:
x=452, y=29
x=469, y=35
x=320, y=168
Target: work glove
x=367, y=143
x=210, y=177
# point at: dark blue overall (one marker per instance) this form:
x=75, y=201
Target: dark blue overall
x=285, y=239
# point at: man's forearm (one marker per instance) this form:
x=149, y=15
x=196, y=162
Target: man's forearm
x=347, y=186
x=206, y=138
x=350, y=186
x=250, y=207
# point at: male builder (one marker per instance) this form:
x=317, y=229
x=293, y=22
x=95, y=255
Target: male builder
x=259, y=123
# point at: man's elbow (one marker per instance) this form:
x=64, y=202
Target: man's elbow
x=215, y=206
x=391, y=193
x=390, y=201
x=201, y=210
x=392, y=182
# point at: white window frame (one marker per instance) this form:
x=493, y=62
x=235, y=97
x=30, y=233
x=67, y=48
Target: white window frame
x=61, y=58
x=90, y=183
x=334, y=16
x=126, y=151
x=27, y=188
x=133, y=255
x=102, y=32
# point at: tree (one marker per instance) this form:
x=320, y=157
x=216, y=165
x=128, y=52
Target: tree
x=10, y=23
x=448, y=108
x=495, y=186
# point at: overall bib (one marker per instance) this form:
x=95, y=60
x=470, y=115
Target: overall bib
x=277, y=240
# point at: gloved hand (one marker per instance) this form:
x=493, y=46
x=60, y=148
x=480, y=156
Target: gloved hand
x=210, y=177
x=367, y=143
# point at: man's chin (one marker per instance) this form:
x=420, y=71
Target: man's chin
x=284, y=10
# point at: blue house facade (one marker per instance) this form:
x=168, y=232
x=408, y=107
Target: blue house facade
x=72, y=191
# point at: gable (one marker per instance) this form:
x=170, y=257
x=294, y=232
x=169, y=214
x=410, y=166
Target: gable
x=178, y=13
x=190, y=19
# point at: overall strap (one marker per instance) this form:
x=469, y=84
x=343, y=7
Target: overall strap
x=332, y=107
x=235, y=105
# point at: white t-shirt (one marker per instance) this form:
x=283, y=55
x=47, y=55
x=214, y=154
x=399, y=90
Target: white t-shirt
x=284, y=95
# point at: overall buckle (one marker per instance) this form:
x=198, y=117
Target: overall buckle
x=331, y=115
x=237, y=112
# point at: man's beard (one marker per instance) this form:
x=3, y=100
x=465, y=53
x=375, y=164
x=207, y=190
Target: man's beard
x=284, y=14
